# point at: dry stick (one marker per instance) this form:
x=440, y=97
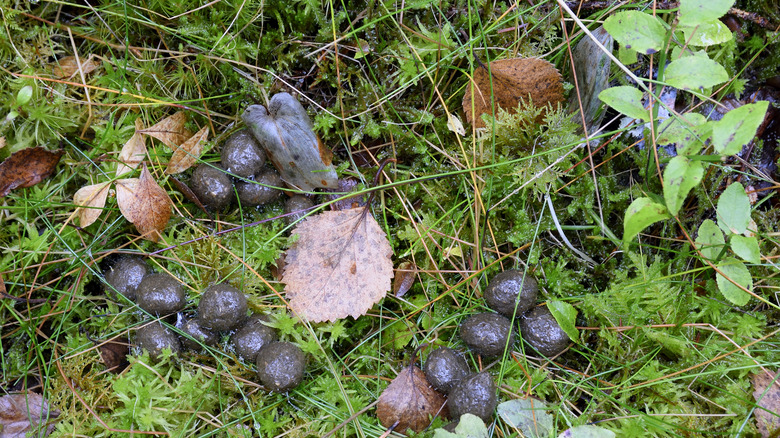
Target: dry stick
x=350, y=419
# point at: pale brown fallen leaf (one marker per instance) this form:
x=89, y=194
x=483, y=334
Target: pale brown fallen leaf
x=187, y=154
x=170, y=130
x=27, y=167
x=513, y=80
x=768, y=399
x=404, y=278
x=145, y=204
x=114, y=354
x=21, y=414
x=133, y=152
x=340, y=265
x=2, y=142
x=90, y=200
x=409, y=402
x=286, y=133
x=68, y=66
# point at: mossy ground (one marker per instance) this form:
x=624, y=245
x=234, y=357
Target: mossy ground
x=661, y=353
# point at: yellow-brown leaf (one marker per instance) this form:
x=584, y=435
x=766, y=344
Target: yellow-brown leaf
x=68, y=66
x=145, y=204
x=90, y=200
x=340, y=265
x=170, y=130
x=133, y=152
x=187, y=154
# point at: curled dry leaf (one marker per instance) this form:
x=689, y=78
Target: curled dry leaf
x=286, y=133
x=409, y=402
x=69, y=66
x=592, y=69
x=512, y=80
x=187, y=154
x=340, y=265
x=145, y=204
x=133, y=152
x=767, y=395
x=404, y=278
x=27, y=167
x=90, y=200
x=23, y=415
x=170, y=130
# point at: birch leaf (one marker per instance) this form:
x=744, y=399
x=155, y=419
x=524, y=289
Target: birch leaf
x=90, y=200
x=133, y=151
x=170, y=130
x=340, y=265
x=145, y=204
x=24, y=415
x=187, y=154
x=409, y=402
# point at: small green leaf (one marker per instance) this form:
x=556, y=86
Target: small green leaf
x=707, y=34
x=681, y=175
x=528, y=415
x=627, y=100
x=734, y=209
x=738, y=127
x=627, y=56
x=641, y=213
x=746, y=248
x=587, y=431
x=675, y=130
x=469, y=426
x=636, y=30
x=696, y=12
x=738, y=272
x=24, y=95
x=566, y=316
x=710, y=240
x=695, y=73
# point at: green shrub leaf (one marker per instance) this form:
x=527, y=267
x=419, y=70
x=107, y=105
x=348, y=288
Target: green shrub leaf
x=627, y=100
x=710, y=240
x=641, y=213
x=566, y=316
x=696, y=12
x=738, y=272
x=587, y=431
x=636, y=30
x=681, y=175
x=734, y=209
x=746, y=248
x=695, y=73
x=707, y=34
x=528, y=415
x=738, y=127
x=469, y=426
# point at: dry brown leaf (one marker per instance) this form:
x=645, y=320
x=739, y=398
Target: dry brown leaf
x=340, y=266
x=187, y=154
x=145, y=204
x=513, y=80
x=21, y=414
x=2, y=142
x=27, y=167
x=170, y=130
x=68, y=66
x=768, y=400
x=133, y=152
x=404, y=278
x=409, y=402
x=90, y=200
